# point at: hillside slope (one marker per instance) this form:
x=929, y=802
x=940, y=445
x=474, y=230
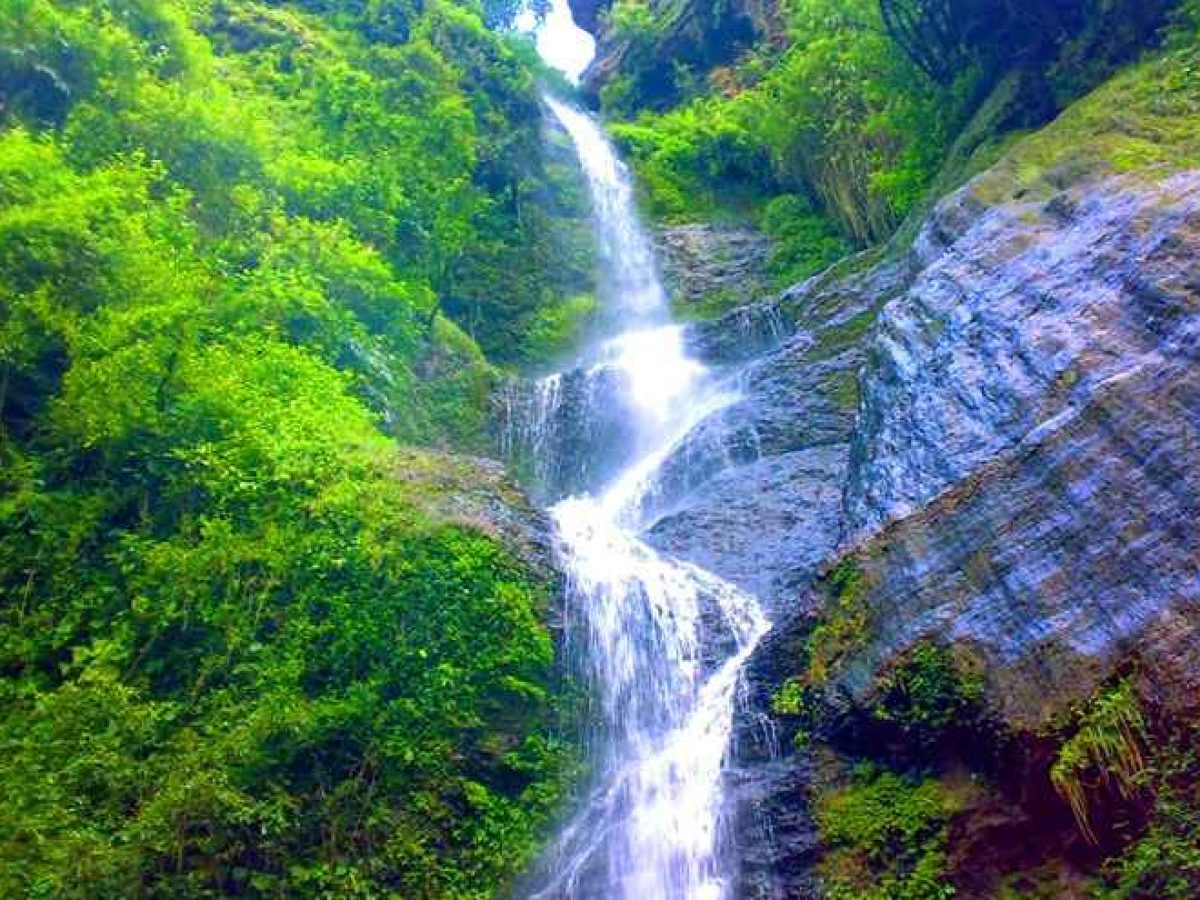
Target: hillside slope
x=262, y=633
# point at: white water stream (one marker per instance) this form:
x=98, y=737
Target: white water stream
x=663, y=640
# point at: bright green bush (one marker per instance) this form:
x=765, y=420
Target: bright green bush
x=560, y=328
x=1185, y=24
x=245, y=649
x=885, y=837
x=843, y=626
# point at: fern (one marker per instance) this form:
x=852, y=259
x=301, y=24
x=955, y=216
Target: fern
x=1109, y=745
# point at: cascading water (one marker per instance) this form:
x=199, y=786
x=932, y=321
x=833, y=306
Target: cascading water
x=661, y=640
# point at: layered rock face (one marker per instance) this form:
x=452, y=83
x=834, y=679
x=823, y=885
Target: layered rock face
x=1022, y=479
x=1026, y=474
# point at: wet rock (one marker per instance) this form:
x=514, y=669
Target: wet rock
x=586, y=13
x=708, y=267
x=739, y=335
x=776, y=843
x=1024, y=474
x=1021, y=319
x=775, y=838
x=763, y=526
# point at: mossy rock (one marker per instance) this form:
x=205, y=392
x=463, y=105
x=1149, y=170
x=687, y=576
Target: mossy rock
x=1144, y=123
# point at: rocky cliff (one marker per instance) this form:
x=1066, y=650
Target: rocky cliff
x=963, y=473
x=966, y=477
x=677, y=35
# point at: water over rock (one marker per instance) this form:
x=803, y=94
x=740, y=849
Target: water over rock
x=659, y=641
x=739, y=335
x=754, y=492
x=995, y=429
x=567, y=432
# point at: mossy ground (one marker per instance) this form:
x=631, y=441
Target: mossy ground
x=1144, y=123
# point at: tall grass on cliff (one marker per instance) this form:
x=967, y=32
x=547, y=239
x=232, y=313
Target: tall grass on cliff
x=1108, y=750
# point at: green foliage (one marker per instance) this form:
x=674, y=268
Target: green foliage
x=805, y=241
x=1184, y=24
x=247, y=646
x=558, y=329
x=1165, y=861
x=693, y=162
x=885, y=837
x=1077, y=41
x=844, y=335
x=789, y=700
x=666, y=48
x=1140, y=123
x=1109, y=743
x=843, y=625
x=839, y=117
x=854, y=107
x=929, y=692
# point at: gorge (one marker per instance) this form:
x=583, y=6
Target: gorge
x=742, y=450
x=886, y=422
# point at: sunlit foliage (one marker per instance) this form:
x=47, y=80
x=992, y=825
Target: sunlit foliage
x=239, y=654
x=854, y=106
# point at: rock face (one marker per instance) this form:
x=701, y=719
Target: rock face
x=586, y=13
x=478, y=493
x=776, y=839
x=1022, y=471
x=1030, y=425
x=691, y=33
x=707, y=267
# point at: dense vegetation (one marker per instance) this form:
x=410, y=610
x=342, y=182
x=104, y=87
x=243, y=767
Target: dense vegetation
x=248, y=646
x=259, y=263
x=831, y=129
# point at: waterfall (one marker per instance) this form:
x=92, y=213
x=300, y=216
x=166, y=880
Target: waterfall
x=661, y=641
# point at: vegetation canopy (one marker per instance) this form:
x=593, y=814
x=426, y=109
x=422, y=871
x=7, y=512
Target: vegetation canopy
x=246, y=645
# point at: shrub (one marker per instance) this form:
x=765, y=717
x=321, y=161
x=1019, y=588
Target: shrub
x=886, y=836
